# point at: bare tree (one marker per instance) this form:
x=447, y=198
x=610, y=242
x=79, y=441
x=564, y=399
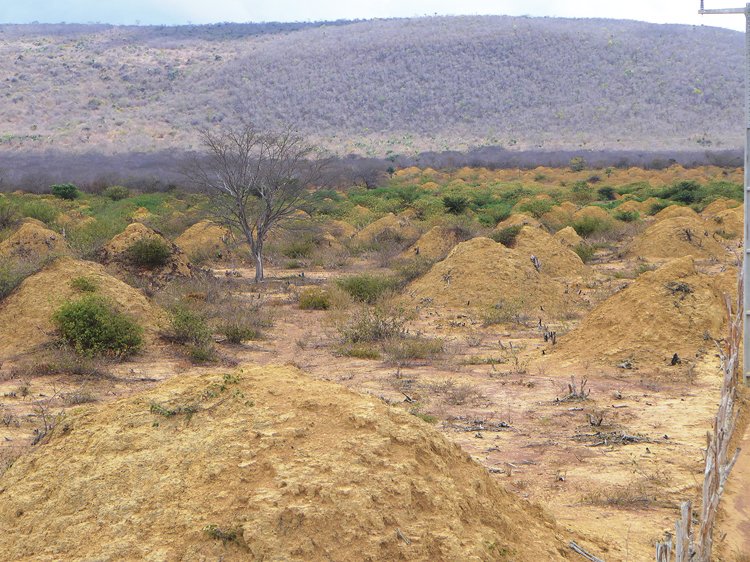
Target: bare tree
x=259, y=179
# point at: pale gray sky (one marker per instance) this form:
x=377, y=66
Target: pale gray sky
x=211, y=11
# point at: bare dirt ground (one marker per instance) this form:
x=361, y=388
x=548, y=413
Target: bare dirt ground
x=612, y=464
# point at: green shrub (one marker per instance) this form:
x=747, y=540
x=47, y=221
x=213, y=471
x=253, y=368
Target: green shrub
x=204, y=353
x=584, y=251
x=238, y=331
x=507, y=236
x=92, y=326
x=490, y=216
x=188, y=326
x=586, y=226
x=607, y=193
x=627, y=216
x=65, y=191
x=366, y=287
x=149, y=253
x=537, y=207
x=117, y=192
x=658, y=206
x=301, y=248
x=83, y=284
x=455, y=204
x=39, y=210
x=314, y=298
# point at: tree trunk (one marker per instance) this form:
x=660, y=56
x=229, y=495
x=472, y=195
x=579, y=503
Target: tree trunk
x=258, y=257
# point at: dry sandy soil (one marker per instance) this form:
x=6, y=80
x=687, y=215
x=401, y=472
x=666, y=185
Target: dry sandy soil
x=611, y=465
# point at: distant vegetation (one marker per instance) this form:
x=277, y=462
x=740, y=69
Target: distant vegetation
x=379, y=88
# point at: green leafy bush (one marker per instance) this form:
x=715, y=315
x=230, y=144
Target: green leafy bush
x=507, y=236
x=301, y=248
x=92, y=326
x=65, y=191
x=116, y=192
x=314, y=298
x=537, y=207
x=149, y=253
x=366, y=287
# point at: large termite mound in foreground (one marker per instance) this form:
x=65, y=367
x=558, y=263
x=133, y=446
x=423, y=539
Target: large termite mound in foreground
x=117, y=255
x=33, y=240
x=261, y=464
x=482, y=273
x=677, y=237
x=26, y=315
x=205, y=240
x=671, y=310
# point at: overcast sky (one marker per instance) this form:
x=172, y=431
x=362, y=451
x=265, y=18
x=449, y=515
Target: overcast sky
x=210, y=11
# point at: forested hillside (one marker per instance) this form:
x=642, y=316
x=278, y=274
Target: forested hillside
x=375, y=88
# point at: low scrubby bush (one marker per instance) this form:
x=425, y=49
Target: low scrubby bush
x=584, y=251
x=8, y=214
x=188, y=326
x=405, y=349
x=314, y=298
x=377, y=324
x=92, y=326
x=116, y=192
x=627, y=216
x=149, y=253
x=366, y=287
x=587, y=226
x=507, y=236
x=83, y=284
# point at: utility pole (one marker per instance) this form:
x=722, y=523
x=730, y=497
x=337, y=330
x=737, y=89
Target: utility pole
x=746, y=248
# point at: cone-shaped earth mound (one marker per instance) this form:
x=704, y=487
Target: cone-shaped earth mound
x=25, y=315
x=675, y=211
x=671, y=310
x=556, y=259
x=117, y=254
x=434, y=244
x=480, y=273
x=677, y=237
x=568, y=237
x=205, y=238
x=388, y=227
x=33, y=240
x=261, y=464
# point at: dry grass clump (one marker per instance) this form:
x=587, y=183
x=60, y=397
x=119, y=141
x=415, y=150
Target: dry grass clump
x=457, y=394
